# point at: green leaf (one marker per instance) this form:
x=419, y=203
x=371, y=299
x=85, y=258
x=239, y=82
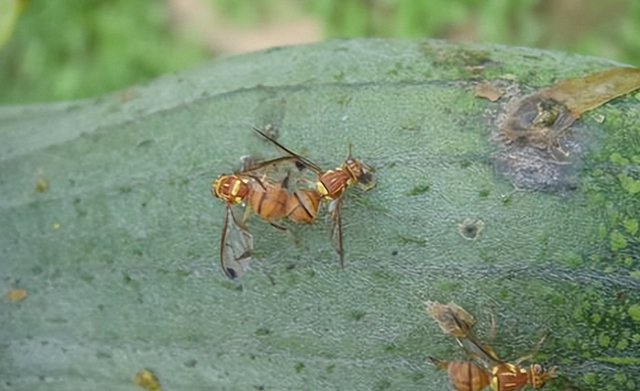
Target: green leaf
x=9, y=12
x=108, y=224
x=632, y=186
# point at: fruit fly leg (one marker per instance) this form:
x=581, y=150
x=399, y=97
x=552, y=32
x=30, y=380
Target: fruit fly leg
x=335, y=210
x=533, y=350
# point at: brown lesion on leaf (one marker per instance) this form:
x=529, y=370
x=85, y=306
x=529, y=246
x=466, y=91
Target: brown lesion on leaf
x=536, y=120
x=535, y=150
x=470, y=228
x=492, y=90
x=539, y=144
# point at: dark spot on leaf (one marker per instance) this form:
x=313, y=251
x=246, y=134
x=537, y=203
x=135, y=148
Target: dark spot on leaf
x=382, y=385
x=103, y=355
x=470, y=228
x=329, y=368
x=391, y=349
x=411, y=240
x=56, y=320
x=394, y=253
x=298, y=367
x=262, y=331
x=423, y=188
x=86, y=277
x=145, y=143
x=125, y=189
x=356, y=315
x=484, y=193
x=191, y=363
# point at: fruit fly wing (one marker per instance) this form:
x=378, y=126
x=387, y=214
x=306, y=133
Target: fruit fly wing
x=335, y=210
x=255, y=165
x=301, y=161
x=236, y=246
x=452, y=319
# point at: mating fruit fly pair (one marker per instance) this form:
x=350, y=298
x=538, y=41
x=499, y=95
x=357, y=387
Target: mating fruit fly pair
x=271, y=201
x=485, y=368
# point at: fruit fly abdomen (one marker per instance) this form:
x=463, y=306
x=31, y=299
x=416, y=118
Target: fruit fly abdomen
x=230, y=188
x=464, y=375
x=268, y=200
x=302, y=205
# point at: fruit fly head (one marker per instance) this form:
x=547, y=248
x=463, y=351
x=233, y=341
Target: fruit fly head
x=359, y=173
x=539, y=375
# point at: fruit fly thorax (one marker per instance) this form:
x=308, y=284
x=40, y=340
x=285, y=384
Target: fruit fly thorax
x=332, y=183
x=508, y=377
x=231, y=188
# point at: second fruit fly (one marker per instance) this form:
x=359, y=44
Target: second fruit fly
x=330, y=185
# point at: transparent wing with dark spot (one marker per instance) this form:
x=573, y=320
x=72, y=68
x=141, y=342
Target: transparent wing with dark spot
x=452, y=319
x=236, y=246
x=335, y=210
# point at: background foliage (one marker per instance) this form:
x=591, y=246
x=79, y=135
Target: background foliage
x=69, y=50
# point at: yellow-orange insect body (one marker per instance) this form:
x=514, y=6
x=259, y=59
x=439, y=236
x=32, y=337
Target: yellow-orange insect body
x=464, y=375
x=503, y=376
x=331, y=184
x=512, y=377
x=303, y=205
x=231, y=188
x=266, y=199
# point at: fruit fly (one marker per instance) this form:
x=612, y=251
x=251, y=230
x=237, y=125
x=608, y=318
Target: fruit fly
x=466, y=375
x=303, y=204
x=266, y=199
x=506, y=376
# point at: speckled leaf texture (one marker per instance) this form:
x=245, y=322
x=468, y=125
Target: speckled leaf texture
x=107, y=222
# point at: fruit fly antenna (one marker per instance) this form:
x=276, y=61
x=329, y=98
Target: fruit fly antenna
x=350, y=156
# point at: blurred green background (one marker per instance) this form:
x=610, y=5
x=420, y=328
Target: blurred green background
x=74, y=49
